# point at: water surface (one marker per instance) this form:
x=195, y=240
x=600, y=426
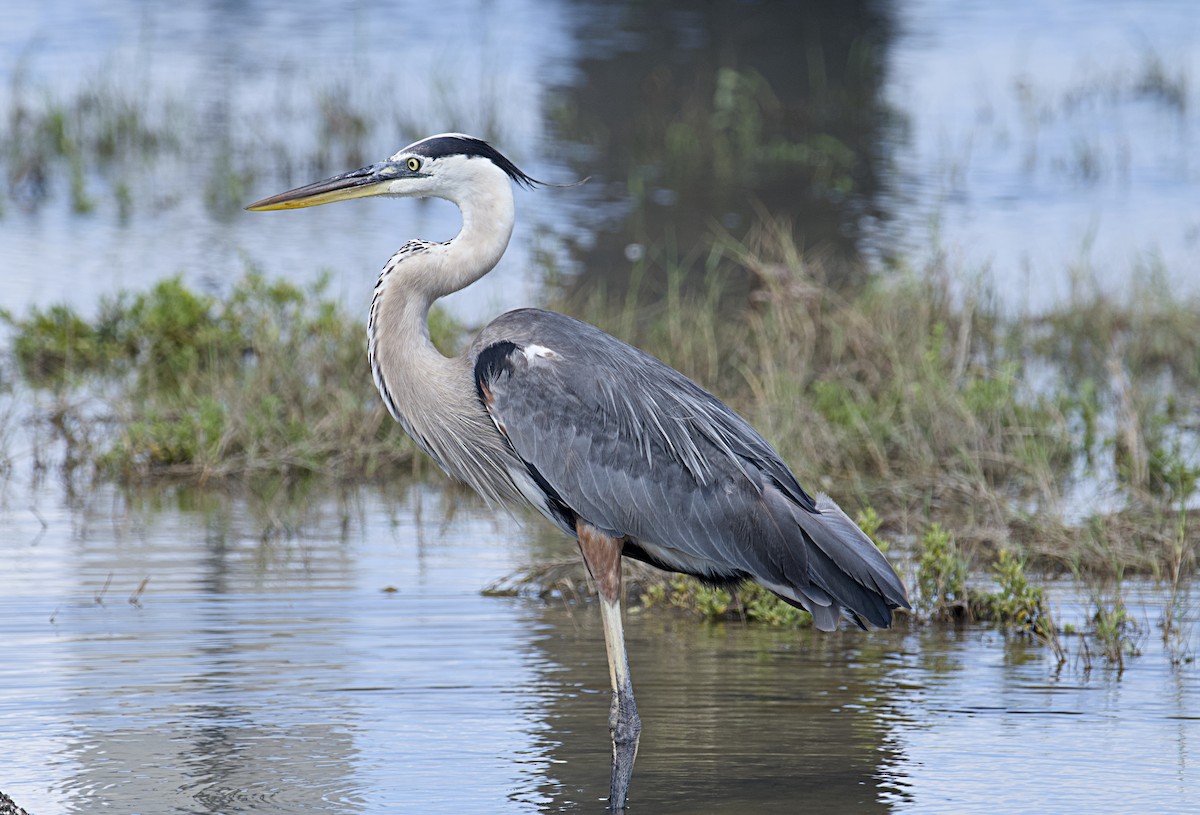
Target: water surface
x=1045, y=150
x=175, y=654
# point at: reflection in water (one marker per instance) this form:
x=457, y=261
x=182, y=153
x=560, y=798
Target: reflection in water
x=275, y=675
x=258, y=672
x=734, y=717
x=687, y=115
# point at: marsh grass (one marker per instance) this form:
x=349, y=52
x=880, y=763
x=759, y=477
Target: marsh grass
x=911, y=395
x=269, y=378
x=110, y=142
x=48, y=140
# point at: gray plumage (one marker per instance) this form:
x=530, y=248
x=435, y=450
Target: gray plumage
x=646, y=455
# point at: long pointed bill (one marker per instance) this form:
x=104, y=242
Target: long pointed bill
x=360, y=183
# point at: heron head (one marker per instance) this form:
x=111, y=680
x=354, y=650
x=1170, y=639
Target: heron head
x=448, y=165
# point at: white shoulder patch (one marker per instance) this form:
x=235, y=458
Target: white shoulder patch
x=535, y=352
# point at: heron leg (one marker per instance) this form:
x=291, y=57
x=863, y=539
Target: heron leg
x=602, y=555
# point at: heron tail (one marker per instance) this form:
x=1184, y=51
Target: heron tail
x=845, y=571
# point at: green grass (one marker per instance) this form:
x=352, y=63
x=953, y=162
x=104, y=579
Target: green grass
x=269, y=377
x=941, y=585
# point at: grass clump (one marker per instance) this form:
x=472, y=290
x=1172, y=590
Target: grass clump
x=941, y=575
x=1114, y=630
x=1016, y=603
x=688, y=593
x=55, y=343
x=269, y=377
x=945, y=590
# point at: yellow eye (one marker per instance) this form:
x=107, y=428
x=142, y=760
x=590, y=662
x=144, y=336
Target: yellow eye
x=414, y=164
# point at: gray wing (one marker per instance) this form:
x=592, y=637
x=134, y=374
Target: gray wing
x=618, y=438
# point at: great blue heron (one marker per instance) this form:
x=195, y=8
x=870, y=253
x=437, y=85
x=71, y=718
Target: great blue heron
x=616, y=448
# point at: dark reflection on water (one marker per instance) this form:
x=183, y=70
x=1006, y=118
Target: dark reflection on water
x=269, y=672
x=740, y=719
x=690, y=115
x=735, y=719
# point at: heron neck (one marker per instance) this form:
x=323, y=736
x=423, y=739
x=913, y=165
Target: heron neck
x=488, y=215
x=417, y=275
x=431, y=395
